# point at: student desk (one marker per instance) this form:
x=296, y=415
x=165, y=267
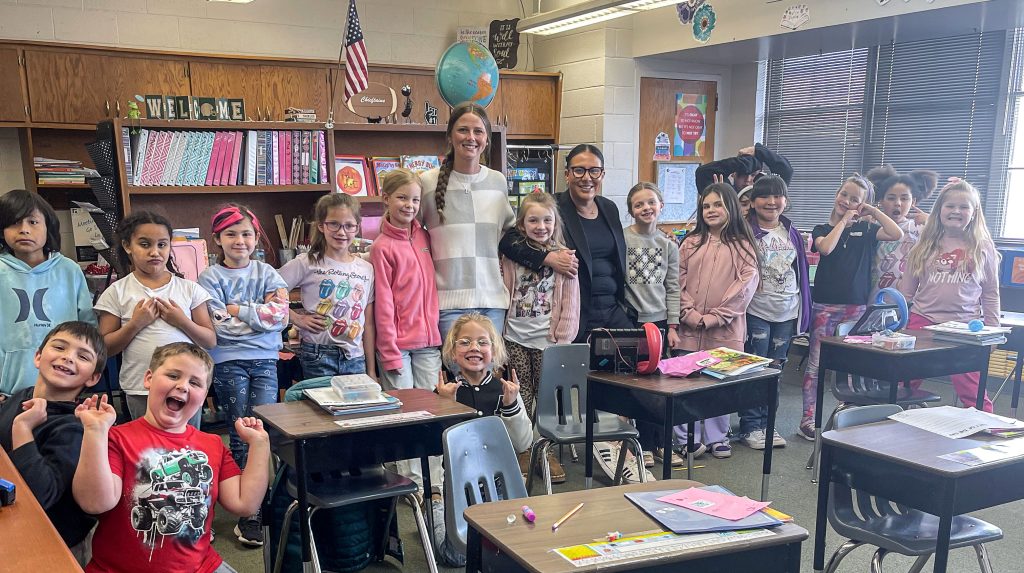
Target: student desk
x=32, y=542
x=494, y=545
x=307, y=438
x=1015, y=342
x=930, y=358
x=901, y=463
x=672, y=401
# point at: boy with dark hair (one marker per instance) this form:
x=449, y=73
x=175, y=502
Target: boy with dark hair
x=155, y=480
x=39, y=430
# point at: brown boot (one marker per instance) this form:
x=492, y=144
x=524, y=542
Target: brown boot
x=557, y=471
x=524, y=463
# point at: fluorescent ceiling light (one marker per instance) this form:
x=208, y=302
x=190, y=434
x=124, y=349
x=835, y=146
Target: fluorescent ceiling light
x=232, y=1
x=584, y=14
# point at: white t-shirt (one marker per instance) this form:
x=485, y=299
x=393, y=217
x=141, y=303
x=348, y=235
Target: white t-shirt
x=340, y=291
x=120, y=300
x=529, y=314
x=778, y=299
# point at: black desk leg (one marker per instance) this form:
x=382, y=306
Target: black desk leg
x=300, y=476
x=473, y=550
x=982, y=382
x=818, y=399
x=821, y=521
x=769, y=442
x=1016, y=383
x=588, y=452
x=666, y=440
x=428, y=496
x=893, y=391
x=945, y=525
x=689, y=449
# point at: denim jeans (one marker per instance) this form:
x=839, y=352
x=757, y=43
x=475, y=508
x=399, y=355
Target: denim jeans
x=448, y=318
x=771, y=340
x=326, y=360
x=240, y=385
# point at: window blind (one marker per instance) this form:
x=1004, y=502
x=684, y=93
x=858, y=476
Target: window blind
x=1008, y=173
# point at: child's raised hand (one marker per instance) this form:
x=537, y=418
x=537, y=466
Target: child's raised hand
x=746, y=150
x=95, y=413
x=510, y=390
x=171, y=312
x=919, y=216
x=849, y=218
x=717, y=178
x=33, y=413
x=445, y=388
x=146, y=312
x=250, y=430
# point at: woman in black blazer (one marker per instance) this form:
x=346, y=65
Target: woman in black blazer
x=593, y=234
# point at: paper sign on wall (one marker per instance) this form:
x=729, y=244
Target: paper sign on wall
x=690, y=129
x=662, y=147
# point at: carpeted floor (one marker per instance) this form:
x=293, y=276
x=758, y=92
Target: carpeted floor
x=791, y=492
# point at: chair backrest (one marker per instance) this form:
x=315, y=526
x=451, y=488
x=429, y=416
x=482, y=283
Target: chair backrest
x=848, y=381
x=865, y=415
x=562, y=392
x=480, y=466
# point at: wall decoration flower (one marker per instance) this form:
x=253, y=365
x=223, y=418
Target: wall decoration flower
x=686, y=10
x=703, y=23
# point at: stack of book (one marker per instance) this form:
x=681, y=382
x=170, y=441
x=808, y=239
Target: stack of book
x=733, y=363
x=300, y=115
x=210, y=158
x=61, y=171
x=352, y=394
x=961, y=333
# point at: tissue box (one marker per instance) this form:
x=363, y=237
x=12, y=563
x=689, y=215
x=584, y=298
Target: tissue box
x=893, y=341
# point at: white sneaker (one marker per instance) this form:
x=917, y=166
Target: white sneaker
x=437, y=512
x=631, y=473
x=607, y=455
x=777, y=440
x=755, y=439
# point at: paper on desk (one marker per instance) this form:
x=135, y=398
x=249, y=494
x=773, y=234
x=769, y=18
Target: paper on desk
x=987, y=453
x=954, y=422
x=716, y=504
x=384, y=419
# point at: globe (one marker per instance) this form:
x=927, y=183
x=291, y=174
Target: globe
x=467, y=72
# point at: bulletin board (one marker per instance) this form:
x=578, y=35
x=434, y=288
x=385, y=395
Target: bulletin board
x=678, y=184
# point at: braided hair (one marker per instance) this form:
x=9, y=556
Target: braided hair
x=449, y=157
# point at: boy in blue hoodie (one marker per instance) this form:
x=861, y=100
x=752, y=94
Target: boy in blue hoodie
x=41, y=288
x=40, y=432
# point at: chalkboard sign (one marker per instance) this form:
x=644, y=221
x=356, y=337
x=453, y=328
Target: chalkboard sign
x=504, y=43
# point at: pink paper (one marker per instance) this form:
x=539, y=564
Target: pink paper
x=731, y=507
x=682, y=366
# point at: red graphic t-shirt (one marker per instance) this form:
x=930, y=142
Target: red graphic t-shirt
x=169, y=487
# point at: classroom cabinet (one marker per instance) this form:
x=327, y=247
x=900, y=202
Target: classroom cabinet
x=13, y=105
x=233, y=81
x=68, y=87
x=337, y=83
x=530, y=106
x=294, y=86
x=424, y=89
x=147, y=76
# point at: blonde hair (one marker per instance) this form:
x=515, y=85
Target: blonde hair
x=976, y=234
x=862, y=182
x=547, y=201
x=638, y=188
x=317, y=242
x=499, y=355
x=177, y=348
x=397, y=178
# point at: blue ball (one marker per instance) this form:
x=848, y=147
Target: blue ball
x=975, y=325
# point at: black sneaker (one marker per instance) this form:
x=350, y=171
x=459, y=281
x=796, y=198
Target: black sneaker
x=250, y=530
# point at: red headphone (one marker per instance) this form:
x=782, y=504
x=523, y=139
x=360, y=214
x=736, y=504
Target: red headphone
x=650, y=365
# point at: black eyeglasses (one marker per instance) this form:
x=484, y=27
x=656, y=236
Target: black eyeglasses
x=579, y=172
x=335, y=226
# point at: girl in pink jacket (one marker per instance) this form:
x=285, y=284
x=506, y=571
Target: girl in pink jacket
x=406, y=317
x=718, y=275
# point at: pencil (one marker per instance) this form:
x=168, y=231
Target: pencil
x=565, y=517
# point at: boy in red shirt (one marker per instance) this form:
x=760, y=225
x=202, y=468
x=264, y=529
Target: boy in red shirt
x=154, y=481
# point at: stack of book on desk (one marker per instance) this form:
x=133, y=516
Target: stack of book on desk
x=961, y=333
x=352, y=394
x=733, y=363
x=672, y=509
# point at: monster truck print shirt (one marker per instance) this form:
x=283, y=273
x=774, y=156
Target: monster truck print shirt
x=162, y=522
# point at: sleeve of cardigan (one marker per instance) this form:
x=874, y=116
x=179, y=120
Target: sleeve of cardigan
x=513, y=245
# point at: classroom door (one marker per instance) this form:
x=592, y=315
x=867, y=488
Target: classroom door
x=684, y=110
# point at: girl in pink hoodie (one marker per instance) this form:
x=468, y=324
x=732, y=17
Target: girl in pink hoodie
x=405, y=294
x=718, y=275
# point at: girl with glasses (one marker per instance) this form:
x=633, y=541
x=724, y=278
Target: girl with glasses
x=336, y=323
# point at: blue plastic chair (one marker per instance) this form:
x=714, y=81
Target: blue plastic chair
x=871, y=520
x=480, y=466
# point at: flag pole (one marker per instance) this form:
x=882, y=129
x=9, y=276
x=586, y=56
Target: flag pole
x=334, y=83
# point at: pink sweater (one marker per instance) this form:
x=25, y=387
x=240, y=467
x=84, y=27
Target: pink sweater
x=406, y=311
x=717, y=282
x=565, y=303
x=950, y=290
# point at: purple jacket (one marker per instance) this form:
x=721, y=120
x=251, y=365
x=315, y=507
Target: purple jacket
x=799, y=264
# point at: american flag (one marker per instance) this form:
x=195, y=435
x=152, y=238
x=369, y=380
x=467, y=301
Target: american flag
x=355, y=54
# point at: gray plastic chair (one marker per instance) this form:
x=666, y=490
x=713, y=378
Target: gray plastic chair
x=561, y=419
x=480, y=466
x=872, y=520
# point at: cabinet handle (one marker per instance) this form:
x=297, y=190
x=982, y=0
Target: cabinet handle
x=107, y=104
x=506, y=120
x=118, y=104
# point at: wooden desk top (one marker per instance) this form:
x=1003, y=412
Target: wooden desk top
x=25, y=527
x=303, y=419
x=670, y=386
x=913, y=447
x=925, y=344
x=606, y=510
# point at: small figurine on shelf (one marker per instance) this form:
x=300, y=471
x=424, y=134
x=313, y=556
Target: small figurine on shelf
x=407, y=92
x=134, y=114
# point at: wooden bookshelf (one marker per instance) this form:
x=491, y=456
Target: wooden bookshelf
x=207, y=189
x=62, y=185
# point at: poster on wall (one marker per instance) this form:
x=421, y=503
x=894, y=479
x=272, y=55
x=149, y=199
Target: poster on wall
x=690, y=129
x=678, y=183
